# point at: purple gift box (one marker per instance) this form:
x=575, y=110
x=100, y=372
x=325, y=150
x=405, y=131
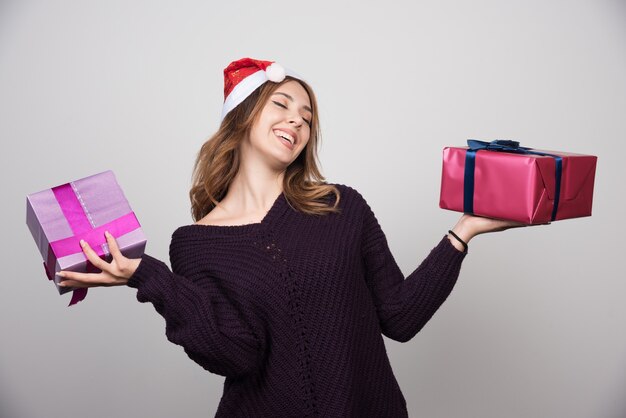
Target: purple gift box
x=58, y=218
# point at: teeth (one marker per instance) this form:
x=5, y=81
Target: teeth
x=284, y=136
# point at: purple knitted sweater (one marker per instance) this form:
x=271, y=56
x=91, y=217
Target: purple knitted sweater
x=291, y=310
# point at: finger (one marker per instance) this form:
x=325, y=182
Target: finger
x=82, y=278
x=114, y=249
x=73, y=283
x=93, y=257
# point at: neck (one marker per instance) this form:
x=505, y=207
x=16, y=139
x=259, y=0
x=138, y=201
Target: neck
x=254, y=188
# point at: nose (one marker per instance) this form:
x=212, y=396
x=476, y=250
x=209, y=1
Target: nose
x=295, y=119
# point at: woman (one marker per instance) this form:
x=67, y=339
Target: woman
x=285, y=284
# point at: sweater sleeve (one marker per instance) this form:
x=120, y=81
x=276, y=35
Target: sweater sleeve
x=404, y=306
x=200, y=318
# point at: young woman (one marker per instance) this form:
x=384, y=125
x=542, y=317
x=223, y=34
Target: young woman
x=285, y=284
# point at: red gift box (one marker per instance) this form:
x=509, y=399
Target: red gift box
x=502, y=180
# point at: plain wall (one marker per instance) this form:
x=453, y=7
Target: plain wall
x=535, y=325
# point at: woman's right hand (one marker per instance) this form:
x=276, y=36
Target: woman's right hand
x=115, y=273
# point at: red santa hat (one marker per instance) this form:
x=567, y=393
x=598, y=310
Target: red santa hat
x=244, y=76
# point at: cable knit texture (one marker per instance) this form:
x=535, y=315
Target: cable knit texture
x=291, y=310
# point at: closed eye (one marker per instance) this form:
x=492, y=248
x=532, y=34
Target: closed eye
x=308, y=121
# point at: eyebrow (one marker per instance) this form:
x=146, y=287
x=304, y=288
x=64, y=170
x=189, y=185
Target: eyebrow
x=307, y=108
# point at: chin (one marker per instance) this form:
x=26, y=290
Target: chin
x=281, y=158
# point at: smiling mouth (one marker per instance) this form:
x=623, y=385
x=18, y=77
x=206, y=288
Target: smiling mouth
x=285, y=138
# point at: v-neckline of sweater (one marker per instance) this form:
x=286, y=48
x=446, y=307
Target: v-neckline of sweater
x=280, y=203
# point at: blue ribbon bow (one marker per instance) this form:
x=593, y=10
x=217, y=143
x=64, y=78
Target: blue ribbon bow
x=501, y=145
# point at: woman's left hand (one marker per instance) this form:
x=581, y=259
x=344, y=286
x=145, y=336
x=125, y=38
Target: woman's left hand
x=477, y=225
x=470, y=225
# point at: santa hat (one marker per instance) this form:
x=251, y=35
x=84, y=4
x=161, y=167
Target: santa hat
x=244, y=76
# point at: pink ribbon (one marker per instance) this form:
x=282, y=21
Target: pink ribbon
x=82, y=228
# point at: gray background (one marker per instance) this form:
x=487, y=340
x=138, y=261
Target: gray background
x=535, y=325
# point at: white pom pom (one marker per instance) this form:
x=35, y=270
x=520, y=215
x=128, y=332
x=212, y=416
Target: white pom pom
x=275, y=72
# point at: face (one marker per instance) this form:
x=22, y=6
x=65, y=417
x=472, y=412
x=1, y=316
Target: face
x=283, y=127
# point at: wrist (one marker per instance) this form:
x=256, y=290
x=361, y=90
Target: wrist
x=463, y=229
x=457, y=242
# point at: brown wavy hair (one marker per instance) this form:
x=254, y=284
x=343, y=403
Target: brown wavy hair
x=217, y=162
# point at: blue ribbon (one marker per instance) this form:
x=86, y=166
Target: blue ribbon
x=501, y=145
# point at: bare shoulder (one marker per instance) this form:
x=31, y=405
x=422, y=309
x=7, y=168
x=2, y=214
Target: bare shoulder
x=219, y=217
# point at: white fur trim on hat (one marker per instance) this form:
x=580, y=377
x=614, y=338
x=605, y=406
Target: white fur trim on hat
x=243, y=90
x=246, y=86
